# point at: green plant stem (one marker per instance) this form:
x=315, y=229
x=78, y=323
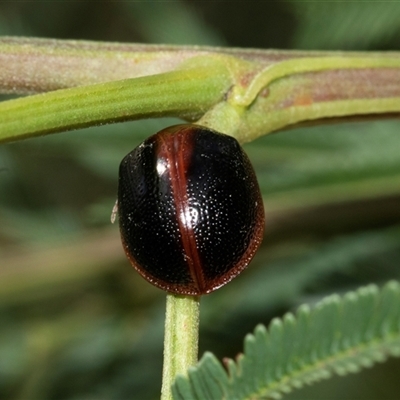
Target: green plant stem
x=181, y=338
x=185, y=93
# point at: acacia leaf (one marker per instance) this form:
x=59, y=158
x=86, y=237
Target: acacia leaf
x=339, y=335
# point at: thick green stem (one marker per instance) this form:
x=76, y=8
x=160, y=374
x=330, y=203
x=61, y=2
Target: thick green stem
x=181, y=338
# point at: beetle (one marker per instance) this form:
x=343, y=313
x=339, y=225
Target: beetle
x=190, y=210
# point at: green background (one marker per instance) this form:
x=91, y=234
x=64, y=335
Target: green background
x=77, y=322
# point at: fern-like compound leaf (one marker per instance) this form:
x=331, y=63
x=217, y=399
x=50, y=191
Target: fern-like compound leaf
x=340, y=335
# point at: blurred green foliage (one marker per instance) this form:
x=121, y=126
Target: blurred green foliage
x=76, y=322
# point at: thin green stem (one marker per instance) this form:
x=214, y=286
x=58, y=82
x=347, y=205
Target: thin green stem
x=185, y=93
x=181, y=338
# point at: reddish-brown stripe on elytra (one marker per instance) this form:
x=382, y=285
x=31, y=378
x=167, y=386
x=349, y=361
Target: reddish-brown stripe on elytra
x=178, y=149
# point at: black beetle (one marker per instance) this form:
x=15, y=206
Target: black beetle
x=190, y=210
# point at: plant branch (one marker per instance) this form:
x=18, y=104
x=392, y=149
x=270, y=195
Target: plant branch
x=33, y=65
x=245, y=93
x=181, y=339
